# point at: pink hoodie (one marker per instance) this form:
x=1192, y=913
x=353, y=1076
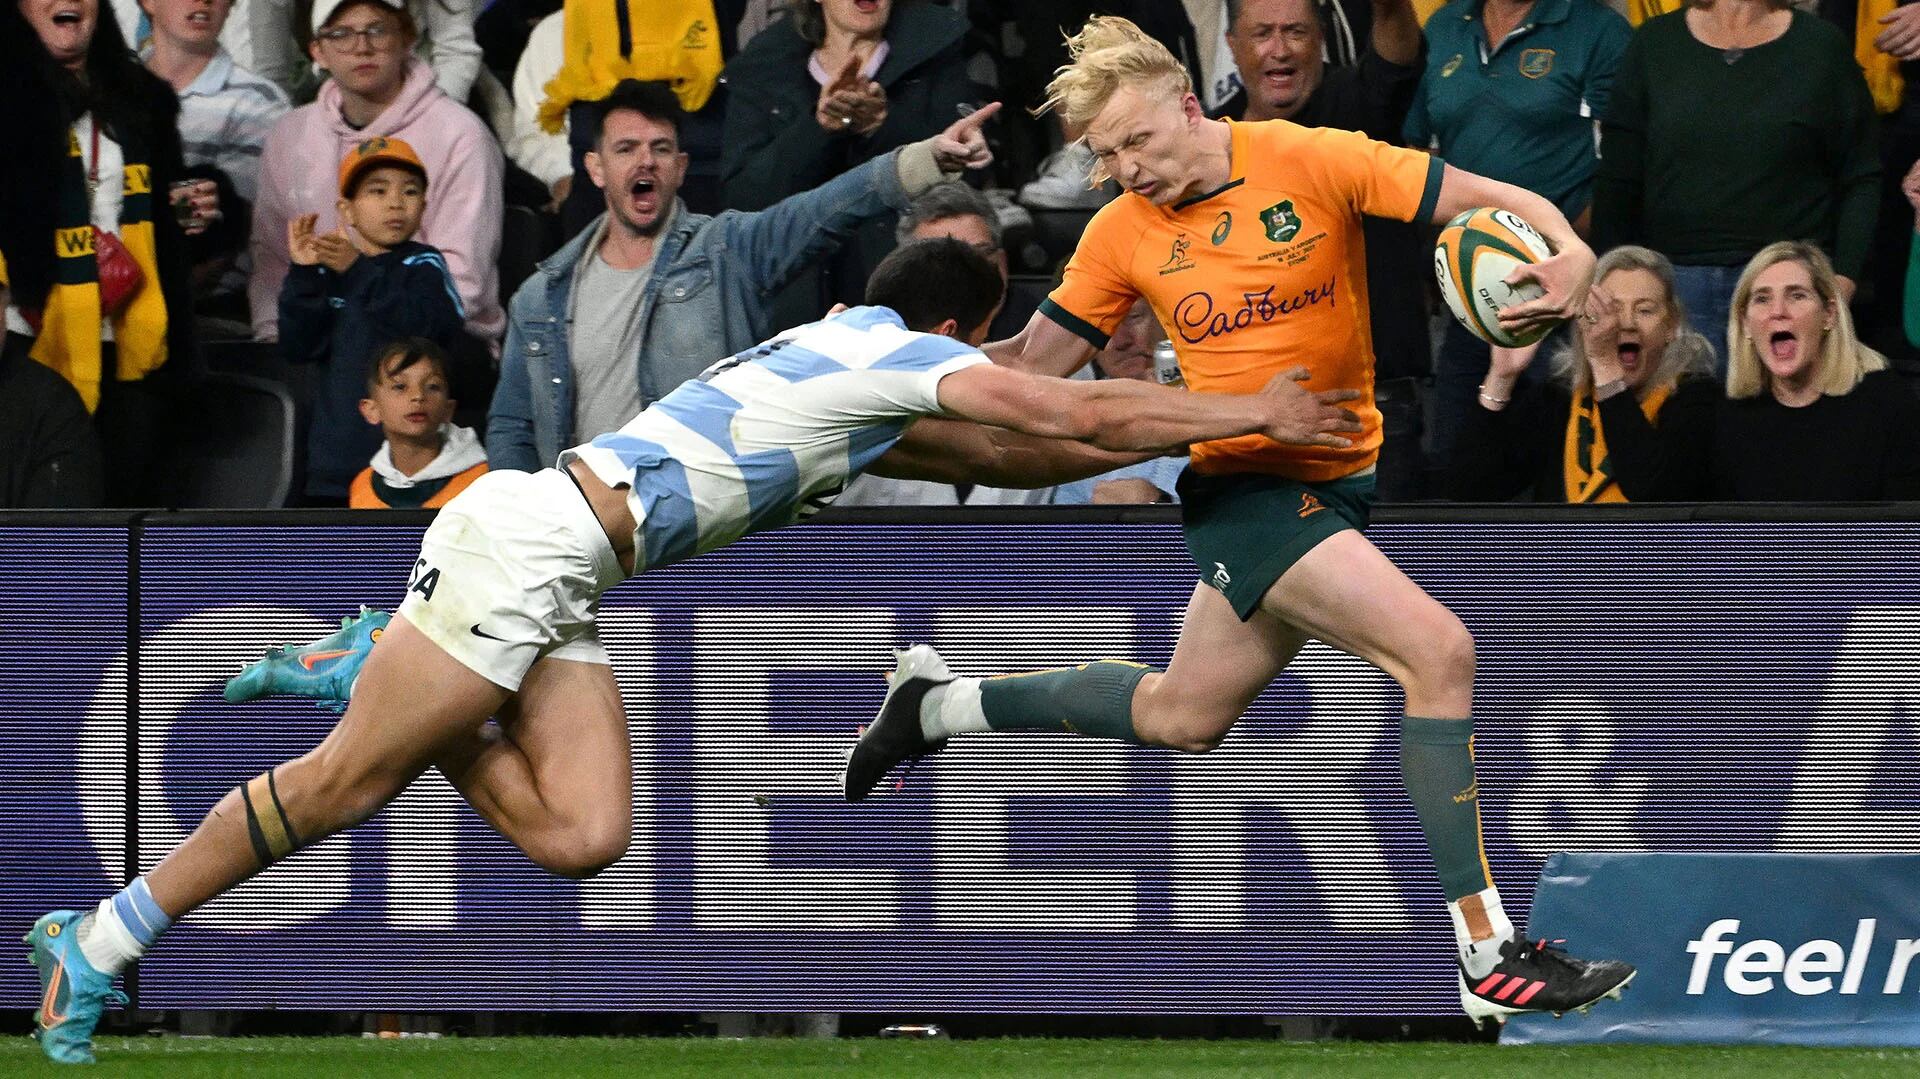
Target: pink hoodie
x=300, y=173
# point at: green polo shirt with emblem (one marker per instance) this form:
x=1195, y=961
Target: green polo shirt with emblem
x=1522, y=110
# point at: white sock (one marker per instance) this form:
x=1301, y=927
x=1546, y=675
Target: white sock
x=106, y=941
x=1482, y=913
x=952, y=709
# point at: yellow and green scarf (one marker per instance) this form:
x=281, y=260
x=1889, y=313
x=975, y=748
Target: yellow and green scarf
x=1881, y=69
x=1588, y=468
x=69, y=340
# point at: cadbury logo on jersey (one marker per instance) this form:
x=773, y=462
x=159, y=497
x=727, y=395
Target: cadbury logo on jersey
x=1197, y=317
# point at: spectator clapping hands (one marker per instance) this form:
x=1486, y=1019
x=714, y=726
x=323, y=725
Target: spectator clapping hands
x=334, y=250
x=850, y=104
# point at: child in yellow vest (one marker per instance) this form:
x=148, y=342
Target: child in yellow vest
x=426, y=460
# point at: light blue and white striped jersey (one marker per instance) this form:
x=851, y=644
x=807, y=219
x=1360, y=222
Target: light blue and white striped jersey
x=772, y=435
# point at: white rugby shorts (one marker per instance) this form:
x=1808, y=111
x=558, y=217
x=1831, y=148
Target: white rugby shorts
x=510, y=571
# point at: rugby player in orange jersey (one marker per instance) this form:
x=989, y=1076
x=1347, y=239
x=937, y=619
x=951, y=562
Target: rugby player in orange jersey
x=1245, y=238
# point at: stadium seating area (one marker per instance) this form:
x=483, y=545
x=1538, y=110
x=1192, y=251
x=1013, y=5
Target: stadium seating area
x=239, y=409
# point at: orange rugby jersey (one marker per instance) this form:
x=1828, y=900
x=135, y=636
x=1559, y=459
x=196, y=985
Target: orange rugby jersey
x=1265, y=274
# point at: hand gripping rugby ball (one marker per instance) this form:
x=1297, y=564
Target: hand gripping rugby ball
x=1474, y=255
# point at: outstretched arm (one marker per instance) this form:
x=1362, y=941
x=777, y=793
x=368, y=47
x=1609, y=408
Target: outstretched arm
x=958, y=451
x=1124, y=414
x=1042, y=347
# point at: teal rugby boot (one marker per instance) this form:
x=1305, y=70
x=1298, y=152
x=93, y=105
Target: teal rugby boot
x=324, y=670
x=72, y=993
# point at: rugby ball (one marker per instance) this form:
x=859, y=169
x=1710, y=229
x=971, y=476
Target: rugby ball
x=1475, y=253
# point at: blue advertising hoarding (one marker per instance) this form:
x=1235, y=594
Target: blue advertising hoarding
x=1816, y=949
x=1654, y=686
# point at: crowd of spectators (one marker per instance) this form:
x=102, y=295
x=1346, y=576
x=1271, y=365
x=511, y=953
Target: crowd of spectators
x=469, y=234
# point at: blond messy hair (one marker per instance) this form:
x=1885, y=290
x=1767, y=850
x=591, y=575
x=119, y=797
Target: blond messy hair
x=1109, y=53
x=1842, y=360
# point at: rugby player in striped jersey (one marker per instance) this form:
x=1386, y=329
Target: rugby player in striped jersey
x=499, y=615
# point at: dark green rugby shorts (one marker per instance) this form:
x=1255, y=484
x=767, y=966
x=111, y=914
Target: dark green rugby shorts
x=1245, y=529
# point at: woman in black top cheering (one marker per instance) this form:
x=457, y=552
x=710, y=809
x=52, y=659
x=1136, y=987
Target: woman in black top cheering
x=1811, y=415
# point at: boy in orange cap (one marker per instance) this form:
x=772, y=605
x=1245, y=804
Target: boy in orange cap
x=352, y=292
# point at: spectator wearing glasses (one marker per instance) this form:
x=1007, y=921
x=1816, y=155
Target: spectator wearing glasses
x=261, y=38
x=379, y=89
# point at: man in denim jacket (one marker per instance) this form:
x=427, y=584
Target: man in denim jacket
x=646, y=296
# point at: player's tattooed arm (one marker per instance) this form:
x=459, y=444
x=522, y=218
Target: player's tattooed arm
x=956, y=451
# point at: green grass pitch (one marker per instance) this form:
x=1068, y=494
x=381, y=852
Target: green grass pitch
x=657, y=1058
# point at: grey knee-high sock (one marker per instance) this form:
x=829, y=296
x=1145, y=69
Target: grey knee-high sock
x=1436, y=762
x=1093, y=698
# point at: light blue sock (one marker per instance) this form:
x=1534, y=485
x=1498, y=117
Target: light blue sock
x=139, y=913
x=121, y=928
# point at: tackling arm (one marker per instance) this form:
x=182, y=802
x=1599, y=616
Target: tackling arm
x=1123, y=414
x=1043, y=347
x=956, y=451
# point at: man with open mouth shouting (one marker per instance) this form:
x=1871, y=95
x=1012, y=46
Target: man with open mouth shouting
x=637, y=303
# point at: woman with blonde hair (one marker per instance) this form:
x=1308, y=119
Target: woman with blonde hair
x=1752, y=89
x=1811, y=414
x=1627, y=415
x=1245, y=239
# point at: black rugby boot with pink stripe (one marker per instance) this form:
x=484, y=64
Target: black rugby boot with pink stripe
x=1534, y=976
